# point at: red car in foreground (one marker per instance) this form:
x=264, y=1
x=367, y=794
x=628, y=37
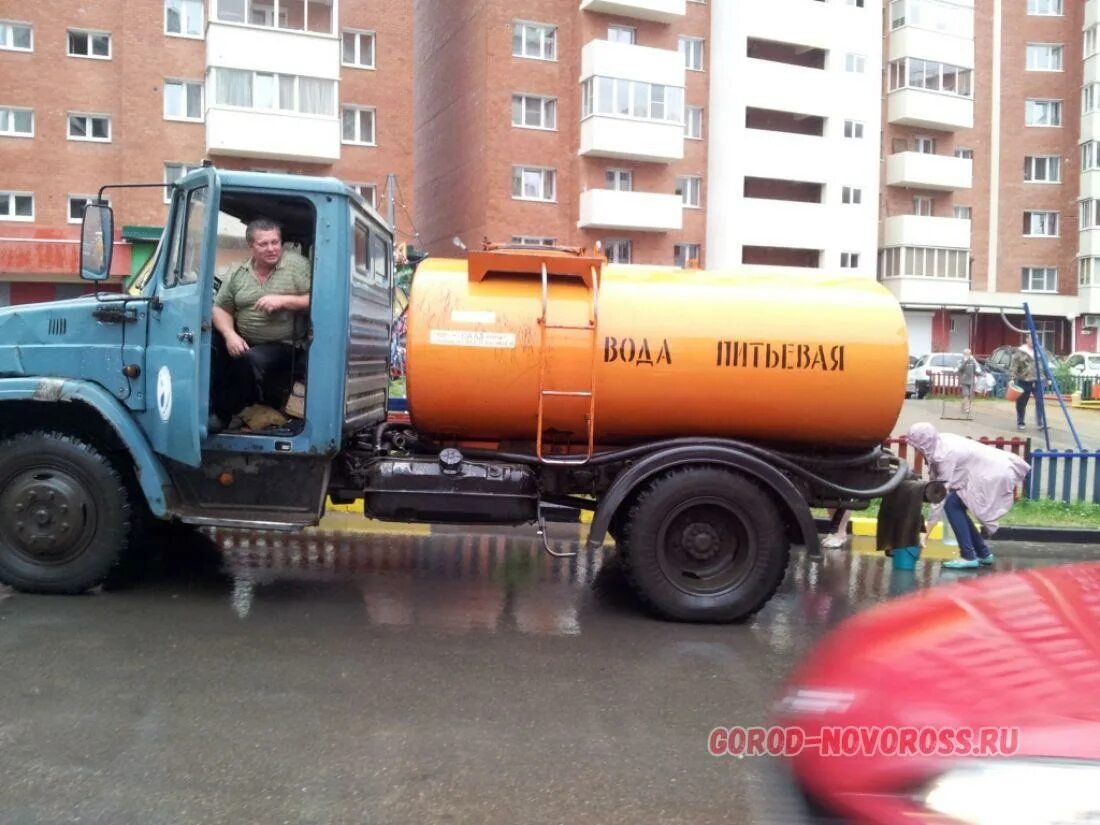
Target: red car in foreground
x=976, y=702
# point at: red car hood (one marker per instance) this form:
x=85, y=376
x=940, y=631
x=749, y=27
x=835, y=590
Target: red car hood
x=1015, y=651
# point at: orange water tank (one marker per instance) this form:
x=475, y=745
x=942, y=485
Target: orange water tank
x=649, y=352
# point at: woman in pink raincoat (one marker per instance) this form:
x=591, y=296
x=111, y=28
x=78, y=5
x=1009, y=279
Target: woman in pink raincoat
x=981, y=481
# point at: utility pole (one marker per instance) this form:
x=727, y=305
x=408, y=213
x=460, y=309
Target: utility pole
x=391, y=213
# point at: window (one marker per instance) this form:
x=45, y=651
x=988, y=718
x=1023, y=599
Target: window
x=1043, y=168
x=89, y=127
x=16, y=36
x=692, y=50
x=923, y=206
x=534, y=112
x=622, y=34
x=1044, y=7
x=532, y=240
x=693, y=122
x=89, y=44
x=621, y=180
x=535, y=41
x=1044, y=57
x=855, y=63
x=264, y=90
x=963, y=213
x=1088, y=271
x=1043, y=113
x=1090, y=155
x=853, y=129
x=183, y=17
x=368, y=192
x=295, y=15
x=851, y=194
x=632, y=98
x=690, y=190
x=849, y=260
x=1040, y=279
x=924, y=262
x=686, y=255
x=619, y=252
x=16, y=122
x=173, y=172
x=965, y=154
x=1090, y=98
x=16, y=206
x=1090, y=41
x=914, y=73
x=1088, y=214
x=933, y=15
x=1041, y=224
x=182, y=100
x=925, y=145
x=358, y=125
x=857, y=3
x=533, y=183
x=76, y=206
x=185, y=255
x=358, y=49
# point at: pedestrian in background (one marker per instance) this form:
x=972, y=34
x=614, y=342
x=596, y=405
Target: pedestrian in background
x=1023, y=372
x=968, y=372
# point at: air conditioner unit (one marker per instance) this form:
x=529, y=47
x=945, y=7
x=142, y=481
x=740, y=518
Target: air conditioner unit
x=1090, y=321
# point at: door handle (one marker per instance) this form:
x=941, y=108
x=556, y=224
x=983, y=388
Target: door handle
x=187, y=336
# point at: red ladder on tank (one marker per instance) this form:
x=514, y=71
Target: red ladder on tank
x=590, y=393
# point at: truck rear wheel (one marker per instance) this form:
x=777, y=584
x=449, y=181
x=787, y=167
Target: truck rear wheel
x=705, y=545
x=65, y=514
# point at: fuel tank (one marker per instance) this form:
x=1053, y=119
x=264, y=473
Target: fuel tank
x=495, y=345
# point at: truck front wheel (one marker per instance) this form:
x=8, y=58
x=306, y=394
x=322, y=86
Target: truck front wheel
x=64, y=514
x=704, y=544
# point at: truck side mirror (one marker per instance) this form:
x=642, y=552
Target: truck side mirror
x=96, y=242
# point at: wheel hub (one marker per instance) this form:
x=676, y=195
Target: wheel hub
x=42, y=515
x=701, y=541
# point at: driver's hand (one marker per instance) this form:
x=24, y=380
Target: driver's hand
x=270, y=303
x=237, y=346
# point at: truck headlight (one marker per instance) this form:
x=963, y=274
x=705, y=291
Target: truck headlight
x=1018, y=792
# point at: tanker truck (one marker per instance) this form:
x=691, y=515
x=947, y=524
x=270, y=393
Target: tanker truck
x=699, y=415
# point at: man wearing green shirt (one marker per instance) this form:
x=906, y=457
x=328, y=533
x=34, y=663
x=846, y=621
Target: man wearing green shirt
x=254, y=317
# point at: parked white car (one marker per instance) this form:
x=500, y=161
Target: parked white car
x=1085, y=364
x=920, y=376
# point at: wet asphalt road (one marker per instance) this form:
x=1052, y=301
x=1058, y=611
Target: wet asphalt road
x=331, y=679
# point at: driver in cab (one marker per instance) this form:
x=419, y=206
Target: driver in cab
x=254, y=313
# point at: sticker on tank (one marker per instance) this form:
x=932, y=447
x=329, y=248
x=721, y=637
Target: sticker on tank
x=472, y=338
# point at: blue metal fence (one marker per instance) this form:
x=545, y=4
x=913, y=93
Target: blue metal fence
x=1069, y=476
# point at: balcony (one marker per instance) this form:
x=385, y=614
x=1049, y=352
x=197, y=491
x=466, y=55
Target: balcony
x=659, y=11
x=1088, y=244
x=630, y=62
x=921, y=290
x=930, y=110
x=921, y=230
x=789, y=88
x=783, y=154
x=306, y=54
x=796, y=21
x=1090, y=184
x=604, y=136
x=1092, y=13
x=635, y=211
x=918, y=170
x=790, y=224
x=1089, y=298
x=1092, y=69
x=909, y=41
x=252, y=133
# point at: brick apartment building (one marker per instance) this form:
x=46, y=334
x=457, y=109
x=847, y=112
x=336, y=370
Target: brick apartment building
x=111, y=91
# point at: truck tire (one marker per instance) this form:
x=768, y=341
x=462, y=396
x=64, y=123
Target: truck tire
x=703, y=544
x=65, y=514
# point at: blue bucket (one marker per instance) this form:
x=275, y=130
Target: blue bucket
x=905, y=558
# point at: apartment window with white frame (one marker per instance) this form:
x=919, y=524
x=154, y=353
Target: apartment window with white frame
x=925, y=145
x=686, y=255
x=357, y=125
x=1088, y=271
x=1043, y=113
x=89, y=127
x=963, y=213
x=949, y=18
x=1040, y=224
x=1043, y=168
x=620, y=180
x=17, y=37
x=924, y=262
x=690, y=190
x=1090, y=155
x=532, y=240
x=1088, y=216
x=248, y=89
x=534, y=183
x=619, y=251
x=89, y=44
x=857, y=3
x=77, y=204
x=1090, y=98
x=183, y=18
x=173, y=172
x=849, y=260
x=622, y=34
x=16, y=206
x=932, y=76
x=1044, y=57
x=923, y=206
x=314, y=16
x=1040, y=279
x=357, y=49
x=691, y=48
x=853, y=129
x=1051, y=8
x=534, y=112
x=851, y=195
x=632, y=98
x=183, y=100
x=855, y=63
x=693, y=122
x=368, y=192
x=536, y=41
x=16, y=122
x=1090, y=40
x=965, y=154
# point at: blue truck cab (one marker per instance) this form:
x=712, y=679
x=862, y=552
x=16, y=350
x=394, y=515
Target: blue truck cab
x=104, y=400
